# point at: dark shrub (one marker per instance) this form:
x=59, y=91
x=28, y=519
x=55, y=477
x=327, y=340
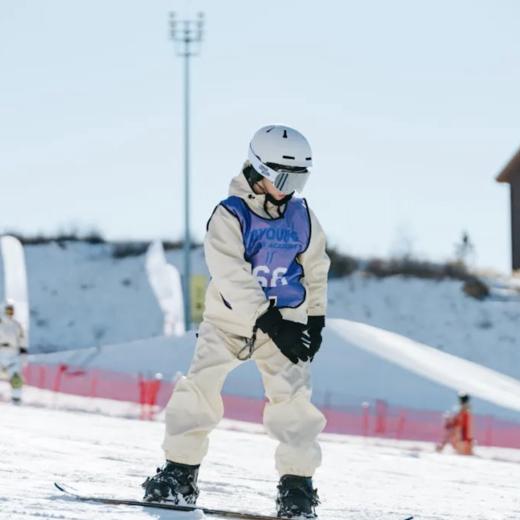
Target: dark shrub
x=475, y=288
x=416, y=268
x=126, y=249
x=341, y=264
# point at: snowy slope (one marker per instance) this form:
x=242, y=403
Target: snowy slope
x=361, y=479
x=437, y=314
x=81, y=296
x=443, y=368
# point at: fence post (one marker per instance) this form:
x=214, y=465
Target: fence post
x=41, y=376
x=400, y=424
x=93, y=384
x=366, y=406
x=57, y=379
x=155, y=387
x=381, y=409
x=141, y=383
x=489, y=430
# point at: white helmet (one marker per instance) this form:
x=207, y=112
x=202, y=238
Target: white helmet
x=282, y=155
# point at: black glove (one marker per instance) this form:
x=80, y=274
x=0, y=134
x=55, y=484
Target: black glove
x=290, y=337
x=23, y=350
x=315, y=325
x=270, y=322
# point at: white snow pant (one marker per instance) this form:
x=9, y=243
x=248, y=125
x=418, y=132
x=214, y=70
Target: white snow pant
x=196, y=406
x=11, y=369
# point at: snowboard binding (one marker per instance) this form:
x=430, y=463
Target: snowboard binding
x=173, y=482
x=296, y=497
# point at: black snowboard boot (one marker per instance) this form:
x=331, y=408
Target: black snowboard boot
x=296, y=497
x=173, y=482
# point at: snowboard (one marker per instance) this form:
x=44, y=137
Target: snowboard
x=72, y=493
x=161, y=505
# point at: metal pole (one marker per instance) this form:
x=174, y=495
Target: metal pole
x=191, y=32
x=187, y=237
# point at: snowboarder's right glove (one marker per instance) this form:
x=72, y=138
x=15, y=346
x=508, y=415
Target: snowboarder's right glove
x=290, y=337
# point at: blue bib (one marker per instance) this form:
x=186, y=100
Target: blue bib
x=272, y=246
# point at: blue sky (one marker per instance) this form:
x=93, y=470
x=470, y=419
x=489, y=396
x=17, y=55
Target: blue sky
x=411, y=108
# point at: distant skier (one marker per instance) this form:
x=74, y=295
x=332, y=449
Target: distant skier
x=458, y=428
x=12, y=349
x=265, y=251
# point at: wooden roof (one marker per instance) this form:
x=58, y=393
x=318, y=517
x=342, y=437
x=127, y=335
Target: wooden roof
x=511, y=170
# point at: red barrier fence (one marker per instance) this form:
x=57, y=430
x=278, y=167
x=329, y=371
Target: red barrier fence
x=375, y=420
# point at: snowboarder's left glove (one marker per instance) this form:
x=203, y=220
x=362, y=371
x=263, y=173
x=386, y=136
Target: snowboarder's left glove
x=315, y=325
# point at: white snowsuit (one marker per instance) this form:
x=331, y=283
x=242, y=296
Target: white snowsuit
x=12, y=339
x=196, y=407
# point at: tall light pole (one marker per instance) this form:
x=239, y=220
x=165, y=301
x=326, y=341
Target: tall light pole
x=186, y=34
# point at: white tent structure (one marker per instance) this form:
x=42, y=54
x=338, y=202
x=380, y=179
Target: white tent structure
x=165, y=281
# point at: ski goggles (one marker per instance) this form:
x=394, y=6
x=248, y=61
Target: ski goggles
x=286, y=179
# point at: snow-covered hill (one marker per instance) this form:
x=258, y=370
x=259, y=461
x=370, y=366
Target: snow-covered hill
x=438, y=314
x=81, y=296
x=361, y=479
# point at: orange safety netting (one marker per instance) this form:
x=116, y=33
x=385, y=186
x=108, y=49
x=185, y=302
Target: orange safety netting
x=376, y=419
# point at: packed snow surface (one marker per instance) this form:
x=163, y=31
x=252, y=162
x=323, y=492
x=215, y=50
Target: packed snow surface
x=360, y=479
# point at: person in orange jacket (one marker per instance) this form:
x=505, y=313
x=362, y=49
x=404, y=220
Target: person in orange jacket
x=458, y=428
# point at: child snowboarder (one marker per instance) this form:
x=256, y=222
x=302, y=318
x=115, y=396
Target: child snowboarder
x=265, y=251
x=12, y=348
x=458, y=428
